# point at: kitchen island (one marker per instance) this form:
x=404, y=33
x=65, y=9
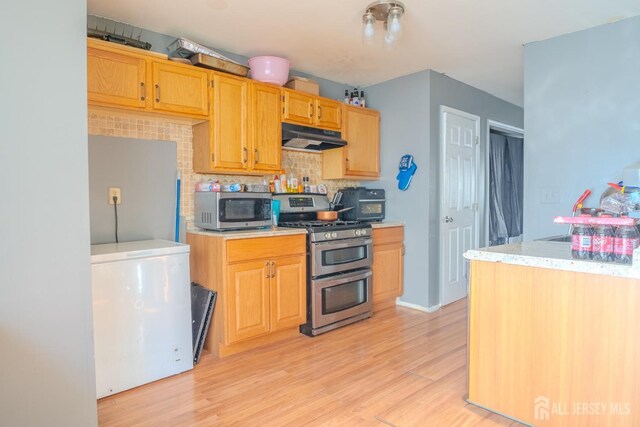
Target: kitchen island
x=554, y=341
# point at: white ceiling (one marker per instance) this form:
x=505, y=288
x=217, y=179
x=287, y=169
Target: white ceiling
x=476, y=42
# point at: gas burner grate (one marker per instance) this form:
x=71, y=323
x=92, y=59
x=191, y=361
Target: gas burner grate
x=306, y=224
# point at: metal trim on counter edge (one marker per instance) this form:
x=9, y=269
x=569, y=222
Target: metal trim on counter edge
x=466, y=399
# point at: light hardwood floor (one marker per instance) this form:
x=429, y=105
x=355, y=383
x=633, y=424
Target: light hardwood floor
x=399, y=368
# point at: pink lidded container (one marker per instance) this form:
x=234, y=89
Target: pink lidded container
x=269, y=69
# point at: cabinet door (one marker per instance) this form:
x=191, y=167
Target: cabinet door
x=115, y=78
x=361, y=129
x=229, y=123
x=288, y=292
x=328, y=114
x=266, y=127
x=179, y=89
x=387, y=271
x=298, y=107
x=247, y=303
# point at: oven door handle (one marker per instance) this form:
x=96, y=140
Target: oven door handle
x=372, y=200
x=351, y=243
x=343, y=278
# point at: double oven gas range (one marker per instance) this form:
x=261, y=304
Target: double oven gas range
x=339, y=260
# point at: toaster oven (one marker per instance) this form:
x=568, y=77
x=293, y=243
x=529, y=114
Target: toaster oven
x=368, y=204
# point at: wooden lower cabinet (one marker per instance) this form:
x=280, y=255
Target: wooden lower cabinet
x=261, y=285
x=388, y=265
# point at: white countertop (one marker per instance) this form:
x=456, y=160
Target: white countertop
x=248, y=234
x=552, y=255
x=386, y=224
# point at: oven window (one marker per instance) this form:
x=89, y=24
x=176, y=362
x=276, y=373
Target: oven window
x=344, y=255
x=370, y=208
x=342, y=297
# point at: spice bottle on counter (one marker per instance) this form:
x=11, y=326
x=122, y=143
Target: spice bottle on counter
x=581, y=235
x=305, y=184
x=602, y=243
x=625, y=241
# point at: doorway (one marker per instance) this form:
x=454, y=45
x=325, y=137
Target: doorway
x=459, y=220
x=504, y=183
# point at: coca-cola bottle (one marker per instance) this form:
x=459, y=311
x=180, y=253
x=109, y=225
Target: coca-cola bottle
x=581, y=235
x=625, y=241
x=602, y=243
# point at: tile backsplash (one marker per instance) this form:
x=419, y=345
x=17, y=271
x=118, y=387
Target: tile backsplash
x=122, y=124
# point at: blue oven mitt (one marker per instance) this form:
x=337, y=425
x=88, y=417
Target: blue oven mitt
x=407, y=168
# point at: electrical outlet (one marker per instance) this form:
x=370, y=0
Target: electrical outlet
x=115, y=192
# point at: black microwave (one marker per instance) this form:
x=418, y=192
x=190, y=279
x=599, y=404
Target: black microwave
x=232, y=210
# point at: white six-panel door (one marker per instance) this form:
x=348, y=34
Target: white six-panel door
x=459, y=139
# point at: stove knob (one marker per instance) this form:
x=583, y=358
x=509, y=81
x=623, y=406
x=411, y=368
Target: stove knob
x=356, y=232
x=334, y=235
x=327, y=235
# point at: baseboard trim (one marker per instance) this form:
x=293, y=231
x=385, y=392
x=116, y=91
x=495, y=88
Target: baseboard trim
x=405, y=304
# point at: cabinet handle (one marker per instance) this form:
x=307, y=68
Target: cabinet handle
x=144, y=91
x=267, y=266
x=310, y=111
x=273, y=269
x=213, y=157
x=256, y=158
x=347, y=164
x=157, y=93
x=246, y=155
x=319, y=111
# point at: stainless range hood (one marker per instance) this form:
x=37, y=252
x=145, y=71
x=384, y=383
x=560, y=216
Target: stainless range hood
x=306, y=138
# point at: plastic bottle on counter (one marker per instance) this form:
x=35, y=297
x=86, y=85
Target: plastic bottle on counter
x=581, y=236
x=363, y=103
x=625, y=241
x=305, y=182
x=293, y=185
x=602, y=243
x=283, y=182
x=277, y=184
x=347, y=98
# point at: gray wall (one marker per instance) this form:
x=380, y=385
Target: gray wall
x=146, y=173
x=404, y=129
x=160, y=42
x=410, y=123
x=582, y=98
x=46, y=336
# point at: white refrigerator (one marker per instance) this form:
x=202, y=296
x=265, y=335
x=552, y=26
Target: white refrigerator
x=141, y=313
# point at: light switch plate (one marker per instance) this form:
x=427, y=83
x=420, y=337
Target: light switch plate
x=550, y=195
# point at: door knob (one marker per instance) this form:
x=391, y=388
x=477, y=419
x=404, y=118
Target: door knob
x=448, y=219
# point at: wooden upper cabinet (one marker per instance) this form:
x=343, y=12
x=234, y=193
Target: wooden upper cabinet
x=328, y=114
x=309, y=110
x=360, y=159
x=298, y=107
x=266, y=127
x=180, y=89
x=229, y=122
x=116, y=78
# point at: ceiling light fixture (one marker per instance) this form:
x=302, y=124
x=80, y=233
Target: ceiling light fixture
x=389, y=12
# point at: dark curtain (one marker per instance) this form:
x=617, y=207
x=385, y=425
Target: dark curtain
x=506, y=180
